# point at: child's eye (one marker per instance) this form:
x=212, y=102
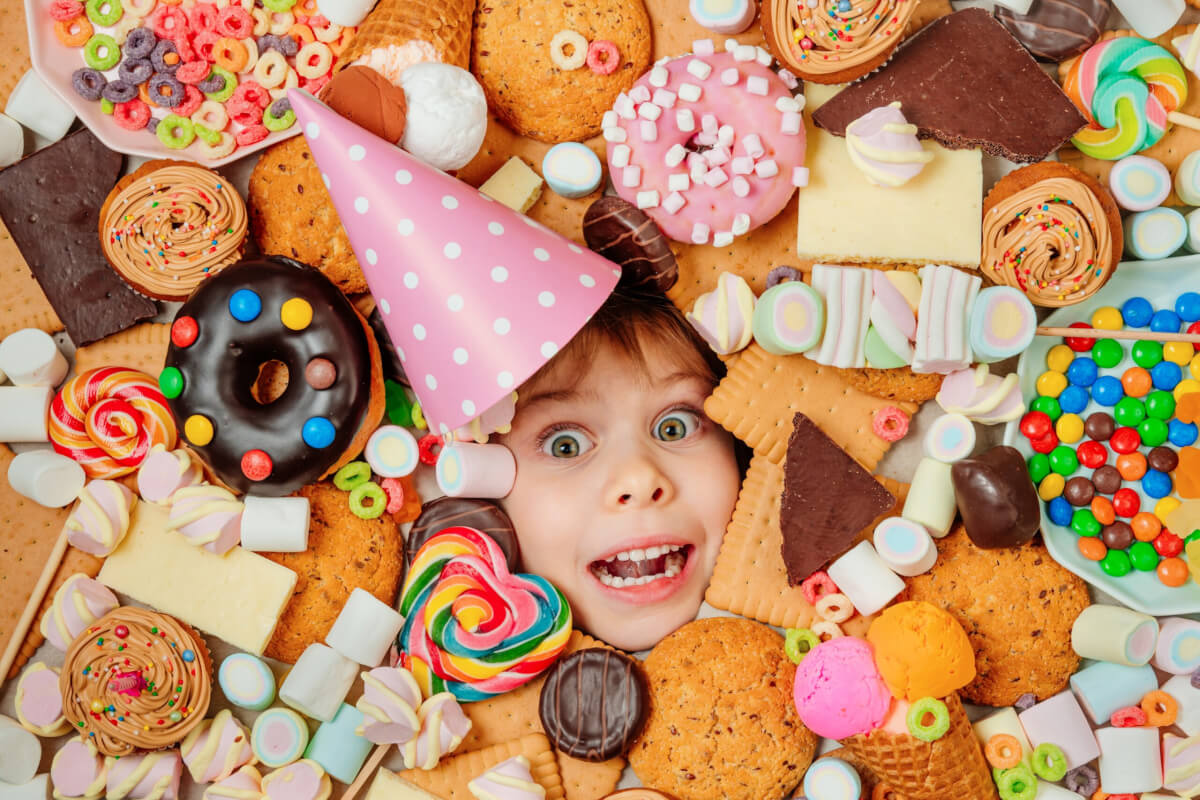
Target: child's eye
x=566, y=444
x=676, y=425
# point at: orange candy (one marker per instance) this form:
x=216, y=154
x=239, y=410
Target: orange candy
x=1172, y=572
x=1187, y=408
x=1137, y=382
x=1091, y=548
x=73, y=32
x=1145, y=526
x=1187, y=474
x=1132, y=466
x=1102, y=510
x=1161, y=708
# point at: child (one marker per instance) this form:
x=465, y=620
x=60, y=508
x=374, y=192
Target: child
x=624, y=487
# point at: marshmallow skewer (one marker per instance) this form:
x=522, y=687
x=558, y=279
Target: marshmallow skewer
x=1132, y=335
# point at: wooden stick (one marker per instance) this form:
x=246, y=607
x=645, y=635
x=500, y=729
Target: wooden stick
x=1134, y=335
x=368, y=770
x=1184, y=120
x=31, y=608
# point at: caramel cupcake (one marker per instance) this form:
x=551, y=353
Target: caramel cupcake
x=136, y=680
x=1051, y=231
x=826, y=42
x=169, y=225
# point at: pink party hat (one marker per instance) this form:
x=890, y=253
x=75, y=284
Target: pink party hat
x=475, y=296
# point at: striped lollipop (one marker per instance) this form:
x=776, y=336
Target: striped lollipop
x=471, y=627
x=107, y=419
x=1128, y=88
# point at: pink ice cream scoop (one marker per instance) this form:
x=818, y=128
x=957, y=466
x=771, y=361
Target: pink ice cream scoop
x=838, y=691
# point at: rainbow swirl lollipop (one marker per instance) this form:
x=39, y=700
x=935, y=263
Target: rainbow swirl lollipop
x=1128, y=88
x=471, y=627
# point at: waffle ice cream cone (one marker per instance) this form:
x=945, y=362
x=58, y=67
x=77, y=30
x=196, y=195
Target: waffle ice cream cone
x=953, y=766
x=399, y=33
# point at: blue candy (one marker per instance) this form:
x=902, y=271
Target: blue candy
x=1165, y=321
x=245, y=305
x=1165, y=375
x=1060, y=511
x=1137, y=312
x=337, y=747
x=1107, y=390
x=1182, y=433
x=1073, y=400
x=1187, y=306
x=318, y=432
x=1156, y=484
x=1082, y=371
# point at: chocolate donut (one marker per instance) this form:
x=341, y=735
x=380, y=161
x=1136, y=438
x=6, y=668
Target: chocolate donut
x=1055, y=30
x=243, y=318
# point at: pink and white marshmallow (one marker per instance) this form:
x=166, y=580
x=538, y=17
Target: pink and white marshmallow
x=100, y=520
x=389, y=704
x=165, y=472
x=78, y=771
x=78, y=603
x=145, y=776
x=39, y=701
x=443, y=728
x=208, y=516
x=216, y=748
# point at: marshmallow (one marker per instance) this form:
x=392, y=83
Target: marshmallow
x=1187, y=179
x=318, y=683
x=39, y=108
x=1003, y=324
x=23, y=413
x=723, y=16
x=846, y=293
x=447, y=114
x=1188, y=696
x=1003, y=721
x=279, y=737
x=1059, y=720
x=1193, y=226
x=36, y=789
x=347, y=13
x=39, y=701
x=865, y=579
x=1139, y=183
x=275, y=524
x=1155, y=234
x=245, y=784
x=247, y=681
x=46, y=477
x=905, y=546
x=943, y=323
x=1181, y=765
x=1150, y=19
x=165, y=472
x=78, y=603
x=1114, y=633
x=1129, y=760
x=484, y=471
x=832, y=779
x=1104, y=687
x=144, y=776
x=20, y=752
x=101, y=519
x=337, y=748
x=303, y=780
x=1178, y=650
x=364, y=629
x=389, y=704
x=930, y=500
x=216, y=747
x=573, y=170
x=77, y=771
x=788, y=318
x=207, y=516
x=392, y=452
x=444, y=725
x=31, y=358
x=950, y=438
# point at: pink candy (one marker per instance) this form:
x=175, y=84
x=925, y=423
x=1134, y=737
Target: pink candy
x=65, y=10
x=251, y=135
x=890, y=424
x=817, y=585
x=169, y=22
x=234, y=22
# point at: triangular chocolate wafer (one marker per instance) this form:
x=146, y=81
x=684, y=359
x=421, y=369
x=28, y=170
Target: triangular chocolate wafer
x=828, y=498
x=966, y=82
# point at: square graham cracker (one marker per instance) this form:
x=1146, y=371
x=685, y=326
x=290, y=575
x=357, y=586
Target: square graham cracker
x=750, y=578
x=515, y=714
x=761, y=393
x=23, y=304
x=74, y=561
x=142, y=347
x=14, y=47
x=450, y=778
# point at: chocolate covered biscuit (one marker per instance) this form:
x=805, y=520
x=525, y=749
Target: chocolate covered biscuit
x=594, y=704
x=1055, y=30
x=482, y=515
x=622, y=233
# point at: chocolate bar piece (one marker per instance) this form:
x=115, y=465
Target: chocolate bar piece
x=828, y=498
x=966, y=82
x=50, y=202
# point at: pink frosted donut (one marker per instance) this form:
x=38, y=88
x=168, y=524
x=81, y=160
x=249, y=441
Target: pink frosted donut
x=709, y=146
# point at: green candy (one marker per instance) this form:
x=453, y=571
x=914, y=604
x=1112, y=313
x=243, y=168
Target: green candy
x=1107, y=353
x=1063, y=460
x=936, y=728
x=1116, y=564
x=790, y=318
x=1084, y=523
x=1143, y=557
x=273, y=123
x=208, y=134
x=170, y=382
x=798, y=642
x=399, y=405
x=1191, y=537
x=1160, y=405
x=166, y=131
x=105, y=18
x=1039, y=467
x=1049, y=762
x=1129, y=411
x=106, y=105
x=1153, y=431
x=367, y=490
x=279, y=6
x=352, y=475
x=91, y=52
x=1147, y=354
x=1018, y=783
x=227, y=91
x=1047, y=405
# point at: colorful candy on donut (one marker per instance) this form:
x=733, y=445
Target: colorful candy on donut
x=272, y=310
x=710, y=145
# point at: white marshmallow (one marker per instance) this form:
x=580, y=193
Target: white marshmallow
x=1130, y=760
x=364, y=629
x=1114, y=633
x=905, y=546
x=20, y=752
x=12, y=141
x=484, y=471
x=23, y=411
x=1178, y=649
x=864, y=578
x=31, y=358
x=39, y=108
x=36, y=789
x=1150, y=18
x=347, y=13
x=319, y=682
x=447, y=114
x=930, y=500
x=275, y=524
x=47, y=478
x=1188, y=718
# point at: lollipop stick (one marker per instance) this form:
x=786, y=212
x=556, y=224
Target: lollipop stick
x=31, y=607
x=1137, y=336
x=1184, y=120
x=368, y=769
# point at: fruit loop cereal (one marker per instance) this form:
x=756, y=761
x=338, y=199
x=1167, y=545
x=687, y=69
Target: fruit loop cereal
x=198, y=76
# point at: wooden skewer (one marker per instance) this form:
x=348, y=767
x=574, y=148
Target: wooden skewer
x=1184, y=120
x=1137, y=336
x=35, y=602
x=367, y=772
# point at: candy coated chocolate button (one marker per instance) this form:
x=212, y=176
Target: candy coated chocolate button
x=245, y=305
x=1079, y=491
x=594, y=704
x=1106, y=479
x=320, y=373
x=170, y=381
x=296, y=314
x=318, y=432
x=256, y=465
x=1100, y=426
x=184, y=331
x=1117, y=536
x=198, y=429
x=1163, y=459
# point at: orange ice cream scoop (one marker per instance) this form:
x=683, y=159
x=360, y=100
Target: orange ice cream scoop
x=921, y=651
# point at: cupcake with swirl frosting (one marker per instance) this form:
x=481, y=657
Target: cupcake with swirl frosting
x=169, y=225
x=834, y=41
x=136, y=680
x=1051, y=231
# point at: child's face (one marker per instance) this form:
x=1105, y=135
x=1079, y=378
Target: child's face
x=623, y=492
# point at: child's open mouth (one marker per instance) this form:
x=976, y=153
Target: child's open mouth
x=638, y=567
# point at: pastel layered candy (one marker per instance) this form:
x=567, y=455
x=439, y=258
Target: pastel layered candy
x=980, y=396
x=78, y=771
x=79, y=602
x=723, y=16
x=247, y=681
x=847, y=293
x=1114, y=633
x=144, y=776
x=1178, y=648
x=572, y=170
x=789, y=318
x=884, y=145
x=245, y=784
x=1187, y=175
x=1154, y=234
x=208, y=516
x=1139, y=183
x=337, y=748
x=942, y=341
x=509, y=779
x=893, y=322
x=101, y=519
x=950, y=438
x=39, y=701
x=1003, y=324
x=905, y=546
x=724, y=316
x=279, y=737
x=1181, y=765
x=389, y=704
x=301, y=780
x=217, y=747
x=443, y=728
x=166, y=471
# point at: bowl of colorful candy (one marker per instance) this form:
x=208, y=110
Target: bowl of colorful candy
x=1110, y=436
x=200, y=81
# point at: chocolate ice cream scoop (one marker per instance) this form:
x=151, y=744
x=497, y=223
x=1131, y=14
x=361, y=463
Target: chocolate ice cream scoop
x=369, y=100
x=998, y=502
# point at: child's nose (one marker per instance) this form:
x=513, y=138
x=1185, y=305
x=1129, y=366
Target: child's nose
x=639, y=483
